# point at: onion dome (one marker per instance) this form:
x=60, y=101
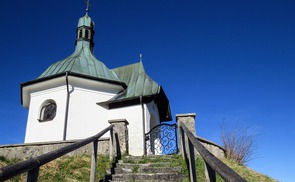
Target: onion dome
x=82, y=61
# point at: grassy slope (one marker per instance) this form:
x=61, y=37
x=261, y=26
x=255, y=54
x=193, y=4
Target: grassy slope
x=69, y=168
x=78, y=169
x=243, y=171
x=246, y=173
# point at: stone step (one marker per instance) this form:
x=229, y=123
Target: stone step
x=149, y=157
x=160, y=170
x=130, y=165
x=146, y=169
x=148, y=181
x=144, y=161
x=171, y=177
x=140, y=159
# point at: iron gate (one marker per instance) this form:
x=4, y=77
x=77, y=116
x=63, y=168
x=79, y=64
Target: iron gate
x=162, y=140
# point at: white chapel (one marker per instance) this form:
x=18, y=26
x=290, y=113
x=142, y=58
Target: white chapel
x=75, y=98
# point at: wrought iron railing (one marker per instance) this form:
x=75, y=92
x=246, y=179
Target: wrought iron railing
x=212, y=164
x=33, y=165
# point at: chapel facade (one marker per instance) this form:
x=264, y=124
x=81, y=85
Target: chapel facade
x=75, y=98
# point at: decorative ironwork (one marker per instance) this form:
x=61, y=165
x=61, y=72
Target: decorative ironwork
x=162, y=140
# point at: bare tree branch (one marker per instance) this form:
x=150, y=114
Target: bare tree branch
x=238, y=142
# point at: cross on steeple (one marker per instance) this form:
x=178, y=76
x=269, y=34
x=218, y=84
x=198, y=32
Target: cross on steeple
x=87, y=6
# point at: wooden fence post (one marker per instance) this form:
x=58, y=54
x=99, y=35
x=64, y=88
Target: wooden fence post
x=191, y=158
x=217, y=165
x=182, y=142
x=111, y=144
x=31, y=166
x=93, y=161
x=209, y=173
x=33, y=175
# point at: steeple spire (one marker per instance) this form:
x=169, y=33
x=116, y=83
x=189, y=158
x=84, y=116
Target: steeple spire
x=87, y=6
x=85, y=31
x=82, y=61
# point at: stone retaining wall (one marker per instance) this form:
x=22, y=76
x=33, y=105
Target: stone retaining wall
x=29, y=150
x=189, y=121
x=120, y=135
x=214, y=148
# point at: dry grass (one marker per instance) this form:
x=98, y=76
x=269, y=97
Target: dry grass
x=77, y=168
x=68, y=169
x=239, y=142
x=247, y=173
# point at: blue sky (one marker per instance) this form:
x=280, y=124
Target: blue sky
x=223, y=60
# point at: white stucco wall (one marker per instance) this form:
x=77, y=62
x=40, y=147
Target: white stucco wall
x=51, y=130
x=152, y=111
x=85, y=117
x=153, y=120
x=133, y=114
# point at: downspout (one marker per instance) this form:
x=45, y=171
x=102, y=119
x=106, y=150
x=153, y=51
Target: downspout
x=143, y=125
x=67, y=107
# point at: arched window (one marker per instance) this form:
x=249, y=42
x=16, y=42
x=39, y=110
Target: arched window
x=79, y=34
x=47, y=111
x=86, y=34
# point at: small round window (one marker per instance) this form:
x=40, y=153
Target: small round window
x=47, y=111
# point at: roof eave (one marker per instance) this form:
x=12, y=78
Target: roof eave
x=77, y=75
x=160, y=99
x=127, y=101
x=70, y=74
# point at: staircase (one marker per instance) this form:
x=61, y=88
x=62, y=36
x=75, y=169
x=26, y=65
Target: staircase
x=148, y=169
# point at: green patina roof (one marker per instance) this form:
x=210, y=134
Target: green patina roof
x=85, y=21
x=138, y=82
x=82, y=61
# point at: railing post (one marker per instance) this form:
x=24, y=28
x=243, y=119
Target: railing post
x=111, y=144
x=187, y=150
x=33, y=175
x=120, y=137
x=31, y=166
x=189, y=121
x=176, y=138
x=191, y=158
x=182, y=142
x=218, y=166
x=93, y=161
x=209, y=173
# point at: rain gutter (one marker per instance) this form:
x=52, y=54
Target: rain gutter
x=67, y=107
x=143, y=125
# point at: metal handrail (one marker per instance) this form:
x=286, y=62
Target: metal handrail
x=212, y=163
x=32, y=165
